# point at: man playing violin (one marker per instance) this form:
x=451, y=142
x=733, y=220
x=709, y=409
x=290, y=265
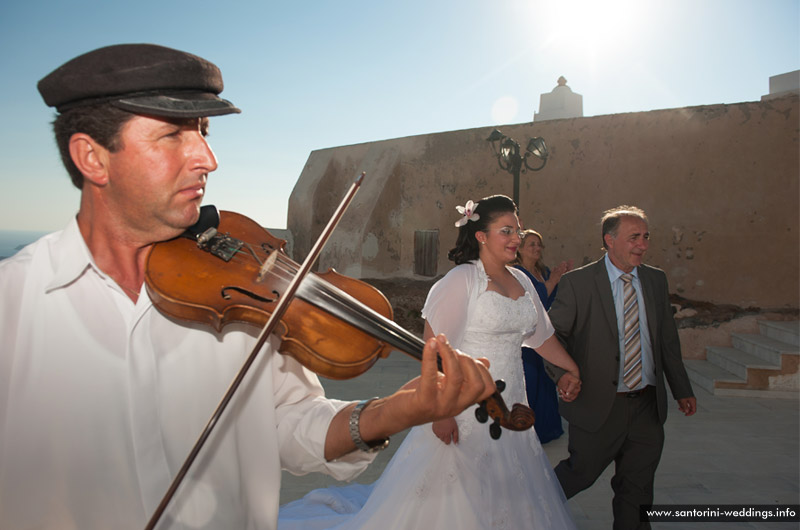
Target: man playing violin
x=101, y=395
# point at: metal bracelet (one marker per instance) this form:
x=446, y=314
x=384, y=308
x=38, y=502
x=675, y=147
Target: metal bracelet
x=355, y=432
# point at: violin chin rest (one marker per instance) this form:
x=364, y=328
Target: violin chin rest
x=209, y=218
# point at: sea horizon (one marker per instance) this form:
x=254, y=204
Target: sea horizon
x=12, y=241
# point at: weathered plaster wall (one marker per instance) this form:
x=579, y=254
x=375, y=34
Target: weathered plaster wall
x=719, y=183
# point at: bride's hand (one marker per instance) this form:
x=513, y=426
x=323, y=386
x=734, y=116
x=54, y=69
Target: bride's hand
x=446, y=430
x=569, y=386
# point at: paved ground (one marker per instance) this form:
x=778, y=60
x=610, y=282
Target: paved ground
x=735, y=450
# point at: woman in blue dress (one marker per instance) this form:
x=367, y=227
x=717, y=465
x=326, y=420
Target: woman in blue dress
x=540, y=388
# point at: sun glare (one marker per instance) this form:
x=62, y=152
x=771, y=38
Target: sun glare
x=594, y=30
x=504, y=110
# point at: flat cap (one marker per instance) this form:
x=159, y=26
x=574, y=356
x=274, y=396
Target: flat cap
x=140, y=78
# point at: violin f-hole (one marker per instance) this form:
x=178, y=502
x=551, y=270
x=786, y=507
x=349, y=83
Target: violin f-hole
x=254, y=296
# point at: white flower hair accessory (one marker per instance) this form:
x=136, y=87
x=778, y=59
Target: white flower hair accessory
x=468, y=211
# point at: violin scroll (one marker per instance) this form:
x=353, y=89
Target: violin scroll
x=519, y=418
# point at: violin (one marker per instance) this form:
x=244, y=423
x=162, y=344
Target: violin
x=227, y=268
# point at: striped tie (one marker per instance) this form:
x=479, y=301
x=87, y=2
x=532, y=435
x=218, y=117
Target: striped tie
x=632, y=371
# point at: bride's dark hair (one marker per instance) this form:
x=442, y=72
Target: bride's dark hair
x=488, y=209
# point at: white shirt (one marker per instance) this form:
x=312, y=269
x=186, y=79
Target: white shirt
x=102, y=399
x=617, y=287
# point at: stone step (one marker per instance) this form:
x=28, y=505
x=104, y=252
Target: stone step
x=737, y=361
x=720, y=382
x=705, y=374
x=756, y=365
x=788, y=332
x=755, y=393
x=767, y=348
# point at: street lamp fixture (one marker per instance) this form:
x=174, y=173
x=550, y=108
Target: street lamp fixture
x=507, y=151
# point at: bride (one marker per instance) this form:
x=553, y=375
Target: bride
x=452, y=474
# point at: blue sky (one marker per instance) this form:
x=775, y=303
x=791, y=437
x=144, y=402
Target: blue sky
x=320, y=74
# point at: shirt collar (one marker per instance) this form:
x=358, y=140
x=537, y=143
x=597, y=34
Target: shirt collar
x=614, y=273
x=70, y=257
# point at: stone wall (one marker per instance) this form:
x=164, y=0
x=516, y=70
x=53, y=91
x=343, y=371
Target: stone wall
x=719, y=184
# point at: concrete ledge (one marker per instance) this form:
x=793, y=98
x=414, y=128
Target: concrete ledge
x=747, y=393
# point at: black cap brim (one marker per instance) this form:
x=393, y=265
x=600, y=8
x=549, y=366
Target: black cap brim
x=194, y=105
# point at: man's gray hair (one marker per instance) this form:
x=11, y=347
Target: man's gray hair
x=611, y=219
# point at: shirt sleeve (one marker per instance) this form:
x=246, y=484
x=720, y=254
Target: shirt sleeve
x=447, y=305
x=303, y=416
x=544, y=328
x=12, y=282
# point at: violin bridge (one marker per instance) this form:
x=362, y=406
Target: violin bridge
x=269, y=263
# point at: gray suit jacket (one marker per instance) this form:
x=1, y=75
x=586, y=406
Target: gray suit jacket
x=586, y=324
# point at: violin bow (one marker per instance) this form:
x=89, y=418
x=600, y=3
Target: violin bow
x=273, y=320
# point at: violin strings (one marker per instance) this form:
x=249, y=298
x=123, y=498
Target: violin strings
x=334, y=300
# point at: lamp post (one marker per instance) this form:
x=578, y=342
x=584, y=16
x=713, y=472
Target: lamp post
x=508, y=155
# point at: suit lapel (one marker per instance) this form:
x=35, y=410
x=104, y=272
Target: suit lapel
x=648, y=290
x=606, y=296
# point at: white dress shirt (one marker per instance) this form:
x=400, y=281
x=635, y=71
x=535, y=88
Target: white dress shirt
x=102, y=399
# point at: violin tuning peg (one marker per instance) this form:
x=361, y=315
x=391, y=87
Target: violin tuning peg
x=500, y=384
x=494, y=430
x=481, y=414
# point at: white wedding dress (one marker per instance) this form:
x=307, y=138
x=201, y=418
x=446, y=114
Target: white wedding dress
x=480, y=483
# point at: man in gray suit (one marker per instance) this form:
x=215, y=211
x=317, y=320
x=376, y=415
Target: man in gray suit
x=614, y=317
